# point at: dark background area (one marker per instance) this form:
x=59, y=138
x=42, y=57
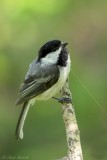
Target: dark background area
x=25, y=25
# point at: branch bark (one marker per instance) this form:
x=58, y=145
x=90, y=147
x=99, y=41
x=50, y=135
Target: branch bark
x=71, y=126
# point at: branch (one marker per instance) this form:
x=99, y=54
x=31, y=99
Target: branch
x=72, y=131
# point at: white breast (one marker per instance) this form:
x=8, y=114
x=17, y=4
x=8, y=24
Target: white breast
x=64, y=71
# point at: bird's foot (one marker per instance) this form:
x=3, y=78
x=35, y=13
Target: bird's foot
x=63, y=100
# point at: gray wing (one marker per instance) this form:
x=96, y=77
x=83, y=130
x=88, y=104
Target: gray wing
x=37, y=80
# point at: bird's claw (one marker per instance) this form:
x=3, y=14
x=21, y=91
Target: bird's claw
x=63, y=100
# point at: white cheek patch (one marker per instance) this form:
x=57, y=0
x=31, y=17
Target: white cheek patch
x=51, y=57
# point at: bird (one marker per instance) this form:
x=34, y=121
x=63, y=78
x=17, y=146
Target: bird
x=46, y=76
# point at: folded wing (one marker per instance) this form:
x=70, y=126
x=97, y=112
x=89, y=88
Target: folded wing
x=37, y=80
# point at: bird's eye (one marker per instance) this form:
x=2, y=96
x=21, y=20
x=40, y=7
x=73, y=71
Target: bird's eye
x=54, y=49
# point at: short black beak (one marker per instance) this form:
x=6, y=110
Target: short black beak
x=64, y=44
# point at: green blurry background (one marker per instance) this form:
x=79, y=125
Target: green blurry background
x=24, y=26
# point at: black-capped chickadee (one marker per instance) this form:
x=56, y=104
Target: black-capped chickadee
x=46, y=76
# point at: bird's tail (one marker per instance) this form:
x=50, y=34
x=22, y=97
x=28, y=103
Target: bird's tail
x=20, y=123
